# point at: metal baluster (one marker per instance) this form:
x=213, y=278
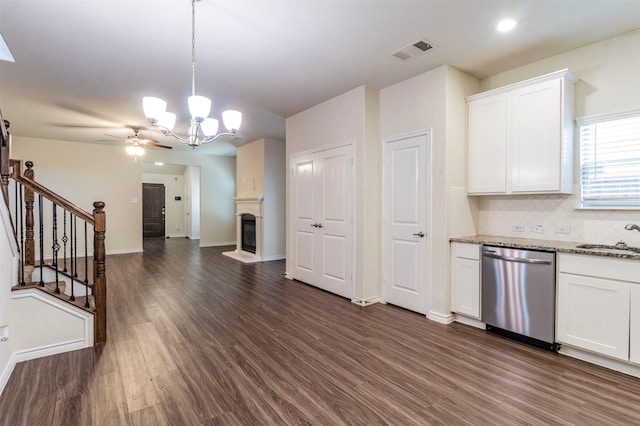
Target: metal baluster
x=55, y=246
x=73, y=281
x=86, y=267
x=64, y=241
x=41, y=226
x=22, y=282
x=75, y=246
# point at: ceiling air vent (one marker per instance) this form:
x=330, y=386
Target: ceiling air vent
x=412, y=50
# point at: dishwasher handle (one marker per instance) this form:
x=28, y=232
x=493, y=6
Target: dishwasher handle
x=517, y=259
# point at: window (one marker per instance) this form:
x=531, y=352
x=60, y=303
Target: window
x=610, y=161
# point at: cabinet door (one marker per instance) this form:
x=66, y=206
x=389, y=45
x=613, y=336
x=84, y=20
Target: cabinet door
x=465, y=283
x=487, y=145
x=536, y=137
x=634, y=324
x=593, y=314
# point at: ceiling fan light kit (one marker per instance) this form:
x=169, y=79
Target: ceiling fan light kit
x=202, y=129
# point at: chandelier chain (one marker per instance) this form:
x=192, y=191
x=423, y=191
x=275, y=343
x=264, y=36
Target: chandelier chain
x=193, y=47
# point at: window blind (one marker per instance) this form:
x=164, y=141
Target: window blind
x=610, y=160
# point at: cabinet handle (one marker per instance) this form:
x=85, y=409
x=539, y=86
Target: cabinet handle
x=419, y=234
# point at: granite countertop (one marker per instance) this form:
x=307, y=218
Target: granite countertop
x=545, y=245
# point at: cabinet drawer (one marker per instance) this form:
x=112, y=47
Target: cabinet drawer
x=594, y=266
x=466, y=251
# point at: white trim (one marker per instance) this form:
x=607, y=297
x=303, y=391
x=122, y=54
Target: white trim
x=8, y=370
x=53, y=349
x=596, y=118
x=218, y=244
x=440, y=318
x=124, y=251
x=350, y=142
x=65, y=307
x=469, y=321
x=176, y=236
x=602, y=361
x=275, y=257
x=365, y=302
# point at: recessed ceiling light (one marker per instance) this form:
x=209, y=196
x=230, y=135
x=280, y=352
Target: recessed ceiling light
x=506, y=25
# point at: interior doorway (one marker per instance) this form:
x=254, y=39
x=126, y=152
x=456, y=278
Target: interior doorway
x=153, y=210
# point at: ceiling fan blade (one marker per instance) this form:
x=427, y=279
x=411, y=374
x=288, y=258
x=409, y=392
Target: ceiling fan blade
x=150, y=142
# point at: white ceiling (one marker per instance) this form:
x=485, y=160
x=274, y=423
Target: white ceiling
x=82, y=67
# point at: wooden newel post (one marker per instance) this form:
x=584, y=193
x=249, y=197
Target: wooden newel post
x=5, y=153
x=99, y=273
x=29, y=243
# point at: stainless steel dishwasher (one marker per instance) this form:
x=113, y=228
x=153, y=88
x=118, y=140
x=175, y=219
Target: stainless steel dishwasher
x=519, y=293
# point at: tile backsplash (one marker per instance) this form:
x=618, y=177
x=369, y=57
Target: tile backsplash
x=554, y=217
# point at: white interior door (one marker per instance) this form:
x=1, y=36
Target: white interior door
x=305, y=197
x=405, y=223
x=322, y=199
x=335, y=223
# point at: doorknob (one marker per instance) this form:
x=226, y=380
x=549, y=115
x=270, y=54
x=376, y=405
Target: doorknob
x=316, y=225
x=419, y=234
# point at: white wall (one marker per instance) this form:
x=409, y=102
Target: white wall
x=608, y=75
x=275, y=170
x=348, y=118
x=250, y=169
x=84, y=173
x=192, y=180
x=8, y=274
x=435, y=100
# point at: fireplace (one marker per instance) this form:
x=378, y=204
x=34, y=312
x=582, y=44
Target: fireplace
x=248, y=233
x=249, y=230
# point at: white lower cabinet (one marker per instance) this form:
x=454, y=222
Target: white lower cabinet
x=465, y=279
x=595, y=305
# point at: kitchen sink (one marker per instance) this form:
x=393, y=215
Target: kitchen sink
x=618, y=246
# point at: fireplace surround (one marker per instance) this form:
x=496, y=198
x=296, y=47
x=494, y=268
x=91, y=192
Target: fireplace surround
x=249, y=211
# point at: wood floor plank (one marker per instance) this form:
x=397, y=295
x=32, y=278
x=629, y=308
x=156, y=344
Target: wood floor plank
x=196, y=338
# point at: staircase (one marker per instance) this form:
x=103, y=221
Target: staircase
x=61, y=246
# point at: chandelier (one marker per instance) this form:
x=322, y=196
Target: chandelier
x=202, y=128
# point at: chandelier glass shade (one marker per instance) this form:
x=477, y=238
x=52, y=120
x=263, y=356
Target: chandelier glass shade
x=202, y=129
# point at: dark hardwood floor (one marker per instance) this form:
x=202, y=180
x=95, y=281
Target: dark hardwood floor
x=196, y=338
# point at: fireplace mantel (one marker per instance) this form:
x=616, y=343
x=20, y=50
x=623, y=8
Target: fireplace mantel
x=251, y=205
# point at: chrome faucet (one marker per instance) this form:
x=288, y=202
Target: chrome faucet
x=632, y=226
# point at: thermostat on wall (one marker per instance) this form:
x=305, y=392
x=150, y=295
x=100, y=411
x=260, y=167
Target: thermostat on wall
x=178, y=198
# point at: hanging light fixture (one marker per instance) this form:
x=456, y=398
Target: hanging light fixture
x=202, y=129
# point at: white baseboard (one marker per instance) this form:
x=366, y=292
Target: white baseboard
x=365, y=302
x=219, y=244
x=288, y=276
x=125, y=251
x=49, y=350
x=4, y=377
x=276, y=257
x=470, y=321
x=441, y=318
x=176, y=236
x=602, y=361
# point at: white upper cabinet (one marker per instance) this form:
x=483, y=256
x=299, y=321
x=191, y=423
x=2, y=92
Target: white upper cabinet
x=520, y=137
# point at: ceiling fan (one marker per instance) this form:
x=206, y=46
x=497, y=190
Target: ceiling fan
x=135, y=143
x=136, y=140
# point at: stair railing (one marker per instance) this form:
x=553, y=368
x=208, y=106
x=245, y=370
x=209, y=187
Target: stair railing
x=57, y=219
